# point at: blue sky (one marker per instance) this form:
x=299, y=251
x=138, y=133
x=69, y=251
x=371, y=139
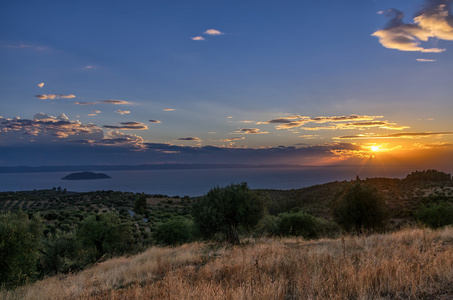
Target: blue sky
x=300, y=82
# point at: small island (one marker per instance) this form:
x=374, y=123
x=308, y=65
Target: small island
x=85, y=176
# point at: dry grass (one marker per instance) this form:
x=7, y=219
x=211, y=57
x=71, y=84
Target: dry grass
x=409, y=264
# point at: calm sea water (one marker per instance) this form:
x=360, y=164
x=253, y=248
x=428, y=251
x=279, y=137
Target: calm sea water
x=196, y=182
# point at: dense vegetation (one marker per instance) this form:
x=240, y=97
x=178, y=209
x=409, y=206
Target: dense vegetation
x=49, y=232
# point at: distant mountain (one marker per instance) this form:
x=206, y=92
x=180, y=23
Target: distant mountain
x=85, y=176
x=28, y=169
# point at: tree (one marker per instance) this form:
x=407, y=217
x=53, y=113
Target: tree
x=105, y=234
x=360, y=207
x=223, y=209
x=140, y=205
x=19, y=245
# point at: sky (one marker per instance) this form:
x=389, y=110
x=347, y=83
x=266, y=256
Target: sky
x=318, y=83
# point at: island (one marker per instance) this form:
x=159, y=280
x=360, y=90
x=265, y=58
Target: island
x=85, y=176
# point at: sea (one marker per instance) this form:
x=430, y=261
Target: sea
x=197, y=182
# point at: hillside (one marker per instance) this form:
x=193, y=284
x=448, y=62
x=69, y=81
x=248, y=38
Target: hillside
x=409, y=264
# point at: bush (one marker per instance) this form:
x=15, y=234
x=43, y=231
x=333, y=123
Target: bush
x=175, y=231
x=436, y=215
x=360, y=207
x=304, y=225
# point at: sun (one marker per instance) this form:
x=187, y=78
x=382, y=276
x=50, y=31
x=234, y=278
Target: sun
x=375, y=148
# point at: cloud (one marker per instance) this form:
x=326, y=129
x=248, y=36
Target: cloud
x=379, y=124
x=425, y=60
x=436, y=19
x=41, y=84
x=232, y=139
x=54, y=96
x=155, y=121
x=88, y=67
x=122, y=112
x=25, y=46
x=117, y=138
x=169, y=109
x=402, y=135
x=115, y=102
x=433, y=21
x=96, y=111
x=45, y=128
x=297, y=121
x=189, y=138
x=250, y=131
x=128, y=126
x=198, y=38
x=309, y=136
x=213, y=32
x=85, y=103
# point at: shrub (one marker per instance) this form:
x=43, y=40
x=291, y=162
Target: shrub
x=175, y=231
x=436, y=215
x=301, y=224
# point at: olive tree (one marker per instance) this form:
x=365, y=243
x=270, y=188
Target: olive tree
x=360, y=207
x=223, y=209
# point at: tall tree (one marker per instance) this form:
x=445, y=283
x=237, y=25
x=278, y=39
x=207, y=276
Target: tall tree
x=359, y=207
x=223, y=209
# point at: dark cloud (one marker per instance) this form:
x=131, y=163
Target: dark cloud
x=250, y=131
x=155, y=121
x=189, y=138
x=85, y=103
x=115, y=102
x=128, y=126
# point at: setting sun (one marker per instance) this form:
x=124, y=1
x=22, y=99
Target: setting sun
x=375, y=148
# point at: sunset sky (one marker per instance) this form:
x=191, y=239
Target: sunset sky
x=226, y=81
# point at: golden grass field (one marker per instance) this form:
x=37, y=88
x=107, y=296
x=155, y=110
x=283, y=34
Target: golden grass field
x=408, y=264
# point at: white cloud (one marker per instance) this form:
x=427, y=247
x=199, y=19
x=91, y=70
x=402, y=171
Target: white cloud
x=425, y=60
x=41, y=84
x=198, y=38
x=122, y=112
x=213, y=32
x=432, y=22
x=54, y=96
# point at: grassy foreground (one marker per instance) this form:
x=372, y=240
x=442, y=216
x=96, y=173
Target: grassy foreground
x=409, y=264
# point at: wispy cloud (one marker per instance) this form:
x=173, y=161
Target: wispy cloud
x=213, y=32
x=425, y=60
x=434, y=21
x=128, y=126
x=115, y=102
x=85, y=103
x=41, y=84
x=155, y=121
x=168, y=109
x=54, y=96
x=26, y=46
x=232, y=139
x=355, y=121
x=401, y=135
x=122, y=112
x=198, y=38
x=250, y=131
